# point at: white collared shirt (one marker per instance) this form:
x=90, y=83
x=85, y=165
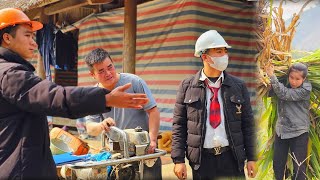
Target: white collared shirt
x=218, y=136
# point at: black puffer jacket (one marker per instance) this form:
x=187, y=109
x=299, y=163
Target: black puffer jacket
x=25, y=101
x=190, y=116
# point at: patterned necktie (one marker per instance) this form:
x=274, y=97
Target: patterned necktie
x=215, y=116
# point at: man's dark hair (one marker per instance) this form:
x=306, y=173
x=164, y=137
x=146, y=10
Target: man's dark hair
x=299, y=67
x=10, y=30
x=96, y=56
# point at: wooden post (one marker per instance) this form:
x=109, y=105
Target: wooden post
x=129, y=37
x=40, y=67
x=44, y=19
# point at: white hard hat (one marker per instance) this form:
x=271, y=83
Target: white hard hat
x=208, y=40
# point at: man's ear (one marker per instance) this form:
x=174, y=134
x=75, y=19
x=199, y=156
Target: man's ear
x=205, y=58
x=7, y=38
x=92, y=74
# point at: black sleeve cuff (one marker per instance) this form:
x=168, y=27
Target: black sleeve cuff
x=178, y=160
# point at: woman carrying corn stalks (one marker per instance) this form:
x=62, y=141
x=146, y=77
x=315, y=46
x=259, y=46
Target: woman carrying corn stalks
x=293, y=121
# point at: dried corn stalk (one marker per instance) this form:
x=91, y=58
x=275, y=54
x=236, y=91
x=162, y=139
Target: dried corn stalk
x=275, y=42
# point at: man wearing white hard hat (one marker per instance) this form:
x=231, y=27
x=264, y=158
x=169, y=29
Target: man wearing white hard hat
x=213, y=123
x=26, y=100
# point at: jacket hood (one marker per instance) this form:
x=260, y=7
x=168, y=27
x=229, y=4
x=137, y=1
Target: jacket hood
x=13, y=57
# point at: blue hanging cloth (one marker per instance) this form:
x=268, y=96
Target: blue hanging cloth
x=45, y=38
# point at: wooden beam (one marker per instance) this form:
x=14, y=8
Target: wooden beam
x=34, y=13
x=90, y=7
x=129, y=39
x=96, y=2
x=64, y=6
x=44, y=3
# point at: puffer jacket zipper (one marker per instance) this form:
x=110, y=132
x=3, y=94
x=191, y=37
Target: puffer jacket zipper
x=204, y=115
x=228, y=126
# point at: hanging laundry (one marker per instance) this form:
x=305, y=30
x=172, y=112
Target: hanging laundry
x=44, y=38
x=66, y=50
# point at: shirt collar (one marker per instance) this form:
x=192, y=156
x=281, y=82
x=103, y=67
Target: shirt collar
x=203, y=77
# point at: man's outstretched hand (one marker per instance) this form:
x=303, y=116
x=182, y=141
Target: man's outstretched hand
x=119, y=98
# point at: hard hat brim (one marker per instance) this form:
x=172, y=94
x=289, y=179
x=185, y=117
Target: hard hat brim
x=35, y=25
x=219, y=46
x=197, y=54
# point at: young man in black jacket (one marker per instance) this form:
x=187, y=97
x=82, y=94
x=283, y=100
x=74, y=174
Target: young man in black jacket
x=213, y=123
x=26, y=100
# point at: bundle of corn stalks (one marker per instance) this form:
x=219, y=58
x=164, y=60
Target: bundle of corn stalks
x=275, y=45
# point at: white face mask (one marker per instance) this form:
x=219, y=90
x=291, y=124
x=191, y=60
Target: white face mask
x=219, y=63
